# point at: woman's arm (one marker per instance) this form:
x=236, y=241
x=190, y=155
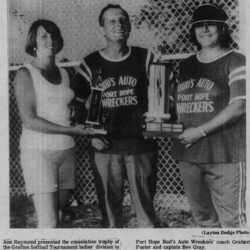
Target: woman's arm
x=26, y=102
x=230, y=114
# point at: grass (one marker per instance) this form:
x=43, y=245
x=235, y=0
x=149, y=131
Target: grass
x=22, y=215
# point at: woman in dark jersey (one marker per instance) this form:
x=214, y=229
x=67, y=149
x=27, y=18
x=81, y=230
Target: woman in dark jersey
x=210, y=98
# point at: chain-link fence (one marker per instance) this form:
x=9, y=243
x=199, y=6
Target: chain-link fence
x=155, y=22
x=169, y=188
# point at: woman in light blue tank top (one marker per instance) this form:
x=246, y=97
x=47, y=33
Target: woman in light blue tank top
x=47, y=147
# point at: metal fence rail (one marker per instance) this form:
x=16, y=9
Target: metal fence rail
x=170, y=191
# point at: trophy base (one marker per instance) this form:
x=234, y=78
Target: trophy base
x=100, y=131
x=156, y=118
x=161, y=134
x=155, y=129
x=95, y=126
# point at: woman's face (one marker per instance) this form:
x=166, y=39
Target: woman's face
x=46, y=44
x=207, y=34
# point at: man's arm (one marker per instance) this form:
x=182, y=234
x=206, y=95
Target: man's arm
x=82, y=91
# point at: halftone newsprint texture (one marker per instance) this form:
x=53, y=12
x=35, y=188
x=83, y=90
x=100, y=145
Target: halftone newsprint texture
x=154, y=23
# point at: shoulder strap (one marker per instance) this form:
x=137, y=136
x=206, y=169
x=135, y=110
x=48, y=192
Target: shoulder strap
x=65, y=76
x=34, y=73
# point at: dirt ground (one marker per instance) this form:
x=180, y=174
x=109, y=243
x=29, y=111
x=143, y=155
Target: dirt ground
x=22, y=215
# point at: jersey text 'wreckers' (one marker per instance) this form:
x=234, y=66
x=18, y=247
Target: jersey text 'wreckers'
x=195, y=103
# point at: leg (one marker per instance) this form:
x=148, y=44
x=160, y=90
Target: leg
x=64, y=196
x=66, y=176
x=40, y=174
x=198, y=194
x=109, y=179
x=46, y=206
x=142, y=176
x=228, y=188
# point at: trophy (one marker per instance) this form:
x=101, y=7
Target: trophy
x=95, y=117
x=158, y=117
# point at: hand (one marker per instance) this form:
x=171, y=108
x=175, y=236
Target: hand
x=149, y=119
x=82, y=130
x=191, y=136
x=99, y=144
x=87, y=104
x=171, y=102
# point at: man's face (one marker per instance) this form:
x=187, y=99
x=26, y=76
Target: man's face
x=116, y=25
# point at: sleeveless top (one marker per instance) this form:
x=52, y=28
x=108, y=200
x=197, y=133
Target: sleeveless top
x=125, y=97
x=52, y=105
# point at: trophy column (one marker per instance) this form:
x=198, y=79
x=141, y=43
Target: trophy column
x=158, y=116
x=94, y=113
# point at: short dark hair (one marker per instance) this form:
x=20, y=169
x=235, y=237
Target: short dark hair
x=50, y=27
x=111, y=6
x=224, y=36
